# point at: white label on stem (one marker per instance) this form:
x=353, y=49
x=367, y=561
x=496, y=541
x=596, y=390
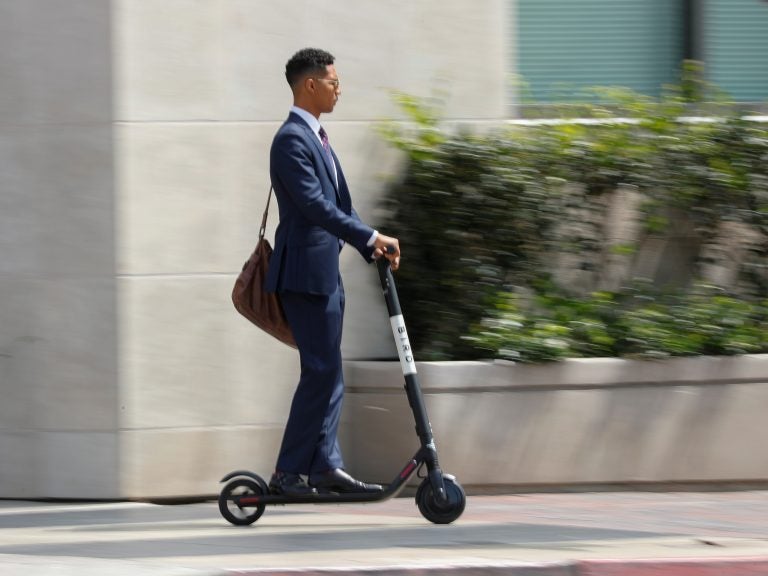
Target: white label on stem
x=403, y=345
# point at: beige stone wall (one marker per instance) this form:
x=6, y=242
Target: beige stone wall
x=579, y=422
x=133, y=163
x=59, y=414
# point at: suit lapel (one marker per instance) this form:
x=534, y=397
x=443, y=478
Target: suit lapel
x=320, y=150
x=342, y=190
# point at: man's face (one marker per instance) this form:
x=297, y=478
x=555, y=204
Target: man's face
x=326, y=89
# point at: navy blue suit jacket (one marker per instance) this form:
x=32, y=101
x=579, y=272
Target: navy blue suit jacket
x=314, y=214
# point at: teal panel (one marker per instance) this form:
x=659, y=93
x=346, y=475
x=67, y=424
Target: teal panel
x=566, y=45
x=736, y=47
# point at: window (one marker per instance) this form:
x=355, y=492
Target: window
x=565, y=46
x=735, y=47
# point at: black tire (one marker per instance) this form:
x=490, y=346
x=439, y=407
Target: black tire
x=441, y=513
x=232, y=510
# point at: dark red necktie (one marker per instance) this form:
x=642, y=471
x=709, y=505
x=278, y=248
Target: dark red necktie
x=326, y=145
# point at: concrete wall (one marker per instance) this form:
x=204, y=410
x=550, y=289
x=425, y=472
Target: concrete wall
x=581, y=421
x=59, y=395
x=133, y=163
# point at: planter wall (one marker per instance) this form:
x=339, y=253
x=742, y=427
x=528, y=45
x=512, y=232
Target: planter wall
x=581, y=421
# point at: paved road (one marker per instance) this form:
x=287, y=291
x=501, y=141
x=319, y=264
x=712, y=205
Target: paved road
x=531, y=534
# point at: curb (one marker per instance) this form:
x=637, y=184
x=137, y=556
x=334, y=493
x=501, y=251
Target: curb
x=754, y=566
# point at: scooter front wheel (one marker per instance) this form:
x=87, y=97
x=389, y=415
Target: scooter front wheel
x=441, y=512
x=239, y=501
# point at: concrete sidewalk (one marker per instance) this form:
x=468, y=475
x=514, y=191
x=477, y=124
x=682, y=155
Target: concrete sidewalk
x=564, y=534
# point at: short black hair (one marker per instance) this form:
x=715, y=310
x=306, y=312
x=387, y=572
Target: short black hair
x=307, y=61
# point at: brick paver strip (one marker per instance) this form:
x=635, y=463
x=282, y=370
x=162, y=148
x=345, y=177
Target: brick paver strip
x=675, y=567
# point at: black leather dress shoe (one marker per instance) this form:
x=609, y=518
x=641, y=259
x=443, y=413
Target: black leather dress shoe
x=287, y=484
x=339, y=481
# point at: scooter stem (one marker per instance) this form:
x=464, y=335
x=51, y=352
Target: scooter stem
x=412, y=388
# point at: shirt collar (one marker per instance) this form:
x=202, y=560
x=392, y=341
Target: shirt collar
x=313, y=122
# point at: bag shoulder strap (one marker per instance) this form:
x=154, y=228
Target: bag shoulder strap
x=263, y=228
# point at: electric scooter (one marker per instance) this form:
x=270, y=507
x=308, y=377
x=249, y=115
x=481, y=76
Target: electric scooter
x=439, y=497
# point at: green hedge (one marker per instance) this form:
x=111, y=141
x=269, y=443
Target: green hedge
x=481, y=217
x=629, y=323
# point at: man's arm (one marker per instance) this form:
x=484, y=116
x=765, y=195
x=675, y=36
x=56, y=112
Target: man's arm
x=296, y=170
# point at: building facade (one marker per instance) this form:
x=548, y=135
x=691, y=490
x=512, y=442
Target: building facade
x=134, y=139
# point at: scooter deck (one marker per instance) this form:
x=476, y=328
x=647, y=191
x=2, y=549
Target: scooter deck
x=390, y=491
x=320, y=498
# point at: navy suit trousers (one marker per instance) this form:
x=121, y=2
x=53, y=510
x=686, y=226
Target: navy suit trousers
x=310, y=441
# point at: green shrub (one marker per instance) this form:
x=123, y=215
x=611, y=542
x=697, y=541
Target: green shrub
x=481, y=216
x=471, y=216
x=632, y=323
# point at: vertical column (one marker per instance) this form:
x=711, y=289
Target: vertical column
x=58, y=364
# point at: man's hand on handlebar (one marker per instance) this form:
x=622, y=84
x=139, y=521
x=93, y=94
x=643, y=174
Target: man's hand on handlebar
x=388, y=247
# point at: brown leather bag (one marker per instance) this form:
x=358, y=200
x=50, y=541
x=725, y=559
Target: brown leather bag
x=262, y=308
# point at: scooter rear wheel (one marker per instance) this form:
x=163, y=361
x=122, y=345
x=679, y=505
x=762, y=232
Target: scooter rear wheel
x=231, y=504
x=441, y=512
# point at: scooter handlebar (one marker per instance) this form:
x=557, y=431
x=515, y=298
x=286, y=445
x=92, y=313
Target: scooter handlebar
x=383, y=262
x=388, y=283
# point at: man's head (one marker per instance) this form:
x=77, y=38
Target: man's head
x=313, y=80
